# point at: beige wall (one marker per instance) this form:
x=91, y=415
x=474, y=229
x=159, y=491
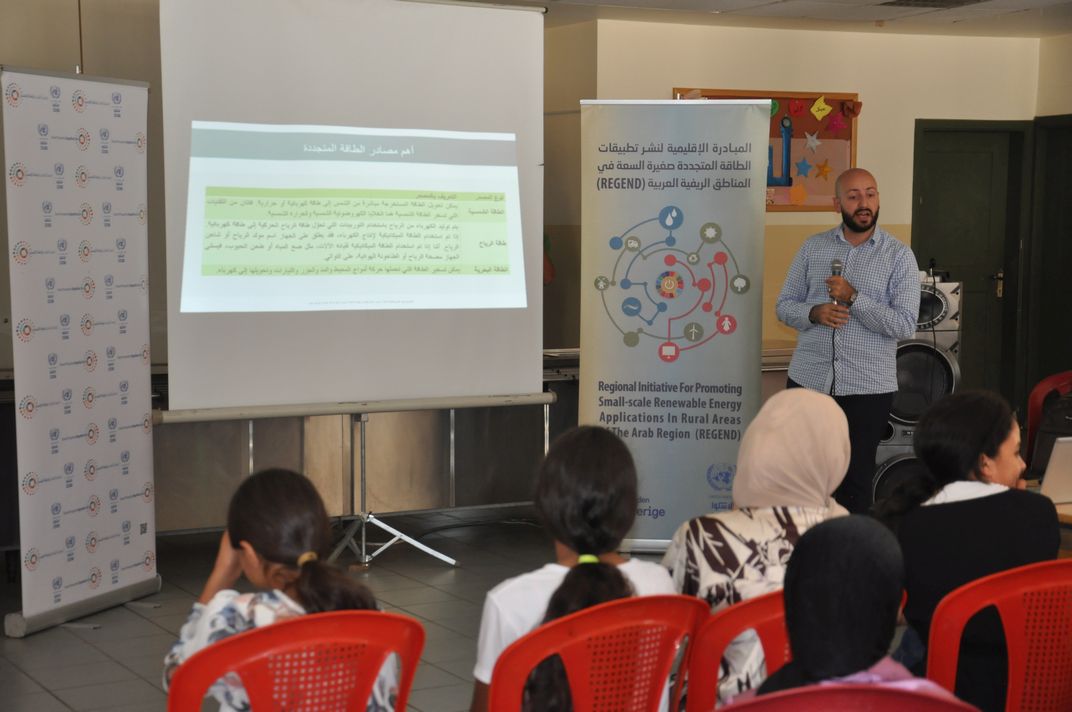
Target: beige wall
x=1055, y=76
x=900, y=78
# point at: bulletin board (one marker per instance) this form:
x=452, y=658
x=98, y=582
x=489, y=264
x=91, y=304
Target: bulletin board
x=812, y=140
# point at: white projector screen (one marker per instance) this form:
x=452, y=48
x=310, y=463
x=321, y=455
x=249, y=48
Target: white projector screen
x=429, y=284
x=312, y=218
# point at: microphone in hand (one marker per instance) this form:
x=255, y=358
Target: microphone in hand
x=836, y=267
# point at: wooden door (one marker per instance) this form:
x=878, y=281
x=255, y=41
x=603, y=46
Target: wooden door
x=962, y=223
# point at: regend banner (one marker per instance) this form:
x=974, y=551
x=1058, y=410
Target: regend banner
x=671, y=293
x=76, y=177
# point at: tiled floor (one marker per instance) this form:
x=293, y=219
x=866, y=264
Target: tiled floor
x=112, y=660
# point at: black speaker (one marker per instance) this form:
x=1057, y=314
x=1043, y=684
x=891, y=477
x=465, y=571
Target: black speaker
x=927, y=370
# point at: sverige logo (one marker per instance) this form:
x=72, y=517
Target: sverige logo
x=86, y=214
x=78, y=100
x=90, y=470
x=84, y=139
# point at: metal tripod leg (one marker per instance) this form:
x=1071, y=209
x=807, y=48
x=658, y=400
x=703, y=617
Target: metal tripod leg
x=361, y=523
x=362, y=520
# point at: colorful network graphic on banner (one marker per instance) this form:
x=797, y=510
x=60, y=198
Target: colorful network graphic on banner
x=672, y=260
x=76, y=204
x=671, y=288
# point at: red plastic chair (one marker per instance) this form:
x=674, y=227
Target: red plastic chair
x=850, y=698
x=766, y=614
x=1060, y=382
x=1035, y=605
x=321, y=661
x=617, y=655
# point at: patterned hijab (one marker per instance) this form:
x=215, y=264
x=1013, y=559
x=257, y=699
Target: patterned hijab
x=794, y=454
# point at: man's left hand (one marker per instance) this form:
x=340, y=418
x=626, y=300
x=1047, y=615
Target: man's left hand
x=840, y=290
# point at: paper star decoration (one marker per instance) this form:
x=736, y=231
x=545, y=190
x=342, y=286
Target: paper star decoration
x=803, y=167
x=813, y=141
x=836, y=123
x=824, y=169
x=820, y=108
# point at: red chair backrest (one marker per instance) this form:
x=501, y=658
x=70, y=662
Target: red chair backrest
x=320, y=661
x=617, y=655
x=1035, y=605
x=850, y=698
x=766, y=614
x=1060, y=382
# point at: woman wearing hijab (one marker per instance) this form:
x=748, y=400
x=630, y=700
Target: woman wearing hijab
x=842, y=591
x=792, y=458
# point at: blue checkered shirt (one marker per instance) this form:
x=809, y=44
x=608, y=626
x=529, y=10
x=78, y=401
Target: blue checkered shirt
x=864, y=357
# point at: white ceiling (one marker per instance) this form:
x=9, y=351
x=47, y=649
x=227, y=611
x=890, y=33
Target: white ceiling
x=993, y=18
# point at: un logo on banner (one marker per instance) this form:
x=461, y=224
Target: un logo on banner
x=720, y=477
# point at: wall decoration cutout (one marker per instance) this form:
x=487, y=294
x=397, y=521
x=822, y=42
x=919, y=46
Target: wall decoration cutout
x=812, y=140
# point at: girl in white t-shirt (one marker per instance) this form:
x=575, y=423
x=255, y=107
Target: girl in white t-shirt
x=586, y=497
x=277, y=535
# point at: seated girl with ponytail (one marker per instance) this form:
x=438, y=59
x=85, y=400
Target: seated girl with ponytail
x=967, y=516
x=586, y=497
x=277, y=535
x=587, y=584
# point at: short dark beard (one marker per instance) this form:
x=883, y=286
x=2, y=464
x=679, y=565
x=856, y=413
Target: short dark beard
x=850, y=222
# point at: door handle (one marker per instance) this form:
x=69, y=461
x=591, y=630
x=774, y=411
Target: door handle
x=999, y=283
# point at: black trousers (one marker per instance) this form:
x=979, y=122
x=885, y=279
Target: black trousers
x=868, y=416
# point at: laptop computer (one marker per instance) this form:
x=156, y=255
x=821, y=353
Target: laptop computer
x=1057, y=482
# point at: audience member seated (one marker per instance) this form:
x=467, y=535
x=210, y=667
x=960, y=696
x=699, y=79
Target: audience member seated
x=842, y=594
x=587, y=584
x=586, y=497
x=278, y=534
x=967, y=517
x=792, y=457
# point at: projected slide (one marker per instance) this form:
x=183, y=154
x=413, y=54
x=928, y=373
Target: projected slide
x=311, y=218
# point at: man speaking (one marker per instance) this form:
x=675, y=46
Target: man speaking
x=852, y=293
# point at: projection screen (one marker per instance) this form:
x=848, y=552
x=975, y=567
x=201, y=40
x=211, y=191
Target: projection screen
x=361, y=185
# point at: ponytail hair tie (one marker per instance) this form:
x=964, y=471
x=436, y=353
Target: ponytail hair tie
x=587, y=559
x=306, y=558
